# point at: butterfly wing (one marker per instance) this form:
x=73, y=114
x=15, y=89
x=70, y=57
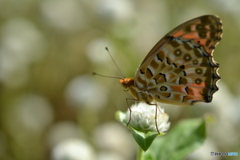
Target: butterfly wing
x=180, y=68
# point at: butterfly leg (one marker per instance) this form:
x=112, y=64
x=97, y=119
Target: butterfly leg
x=159, y=109
x=130, y=99
x=156, y=116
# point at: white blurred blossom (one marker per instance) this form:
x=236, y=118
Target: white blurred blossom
x=152, y=23
x=109, y=156
x=231, y=8
x=143, y=118
x=63, y=131
x=73, y=149
x=35, y=111
x=22, y=39
x=113, y=138
x=225, y=107
x=21, y=44
x=31, y=113
x=96, y=52
x=83, y=91
x=64, y=15
x=114, y=11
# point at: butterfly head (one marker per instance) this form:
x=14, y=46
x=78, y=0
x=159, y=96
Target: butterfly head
x=127, y=83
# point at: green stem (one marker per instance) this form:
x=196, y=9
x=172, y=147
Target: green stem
x=140, y=154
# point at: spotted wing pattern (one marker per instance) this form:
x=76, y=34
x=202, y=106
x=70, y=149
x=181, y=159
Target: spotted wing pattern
x=180, y=68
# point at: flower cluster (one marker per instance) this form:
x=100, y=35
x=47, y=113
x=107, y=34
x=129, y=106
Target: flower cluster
x=143, y=117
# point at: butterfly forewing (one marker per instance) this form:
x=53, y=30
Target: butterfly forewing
x=180, y=68
x=205, y=30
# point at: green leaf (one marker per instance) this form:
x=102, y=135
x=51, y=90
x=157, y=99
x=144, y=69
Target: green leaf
x=144, y=140
x=183, y=139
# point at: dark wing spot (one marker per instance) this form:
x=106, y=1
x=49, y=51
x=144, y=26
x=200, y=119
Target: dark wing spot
x=195, y=62
x=175, y=65
x=163, y=88
x=197, y=52
x=187, y=46
x=167, y=60
x=155, y=80
x=212, y=35
x=158, y=57
x=187, y=90
x=161, y=56
x=163, y=76
x=183, y=80
x=167, y=95
x=141, y=71
x=193, y=102
x=182, y=67
x=179, y=69
x=198, y=81
x=174, y=43
x=212, y=27
x=177, y=52
x=200, y=27
x=187, y=57
x=199, y=70
x=205, y=20
x=184, y=73
x=202, y=34
x=184, y=99
x=150, y=71
x=188, y=28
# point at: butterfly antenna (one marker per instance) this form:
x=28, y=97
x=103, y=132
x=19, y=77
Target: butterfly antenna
x=105, y=76
x=114, y=61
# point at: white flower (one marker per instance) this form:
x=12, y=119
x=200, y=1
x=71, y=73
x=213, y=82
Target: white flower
x=116, y=11
x=73, y=149
x=143, y=118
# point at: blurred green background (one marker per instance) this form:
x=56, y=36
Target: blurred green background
x=51, y=107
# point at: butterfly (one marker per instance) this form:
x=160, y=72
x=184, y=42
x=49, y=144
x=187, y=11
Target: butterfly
x=180, y=68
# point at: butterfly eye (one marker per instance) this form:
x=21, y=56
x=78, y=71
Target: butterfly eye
x=127, y=83
x=123, y=83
